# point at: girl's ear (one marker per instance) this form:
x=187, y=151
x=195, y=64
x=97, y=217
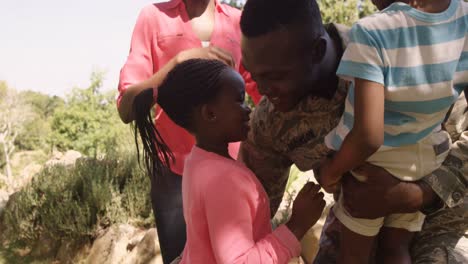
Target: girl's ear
x=208, y=113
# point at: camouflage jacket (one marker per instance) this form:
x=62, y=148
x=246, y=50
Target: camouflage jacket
x=277, y=140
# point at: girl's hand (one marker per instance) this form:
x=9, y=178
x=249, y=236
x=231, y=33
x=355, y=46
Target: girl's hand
x=328, y=179
x=307, y=209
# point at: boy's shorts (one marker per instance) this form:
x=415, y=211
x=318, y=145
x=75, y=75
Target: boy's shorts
x=408, y=163
x=371, y=227
x=413, y=162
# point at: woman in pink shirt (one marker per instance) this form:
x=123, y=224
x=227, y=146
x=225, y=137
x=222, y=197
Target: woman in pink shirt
x=225, y=207
x=166, y=34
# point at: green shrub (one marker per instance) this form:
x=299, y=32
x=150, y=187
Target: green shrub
x=72, y=203
x=344, y=12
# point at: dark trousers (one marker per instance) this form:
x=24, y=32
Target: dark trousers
x=166, y=198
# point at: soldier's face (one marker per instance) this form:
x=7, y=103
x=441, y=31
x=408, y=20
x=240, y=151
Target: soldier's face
x=281, y=65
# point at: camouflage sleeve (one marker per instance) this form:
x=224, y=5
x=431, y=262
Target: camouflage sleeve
x=259, y=154
x=449, y=182
x=270, y=167
x=443, y=237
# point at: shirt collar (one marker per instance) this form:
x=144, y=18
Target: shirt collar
x=175, y=3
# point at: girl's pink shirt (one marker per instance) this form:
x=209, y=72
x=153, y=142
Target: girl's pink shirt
x=227, y=214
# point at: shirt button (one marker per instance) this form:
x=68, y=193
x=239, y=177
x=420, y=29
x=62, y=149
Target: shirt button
x=456, y=196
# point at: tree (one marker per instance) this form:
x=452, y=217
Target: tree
x=88, y=121
x=333, y=11
x=14, y=114
x=36, y=134
x=42, y=104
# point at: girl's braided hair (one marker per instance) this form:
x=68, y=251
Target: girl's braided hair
x=187, y=86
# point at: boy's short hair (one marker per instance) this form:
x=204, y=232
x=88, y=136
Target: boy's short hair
x=260, y=17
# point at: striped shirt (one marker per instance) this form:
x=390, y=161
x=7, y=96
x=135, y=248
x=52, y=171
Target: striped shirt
x=420, y=58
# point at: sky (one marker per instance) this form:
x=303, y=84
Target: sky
x=52, y=46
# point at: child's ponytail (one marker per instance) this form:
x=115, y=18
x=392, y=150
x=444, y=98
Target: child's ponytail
x=156, y=154
x=190, y=84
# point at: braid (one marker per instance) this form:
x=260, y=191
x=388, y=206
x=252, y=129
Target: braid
x=153, y=143
x=190, y=84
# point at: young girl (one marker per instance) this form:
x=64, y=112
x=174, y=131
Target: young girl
x=225, y=207
x=408, y=64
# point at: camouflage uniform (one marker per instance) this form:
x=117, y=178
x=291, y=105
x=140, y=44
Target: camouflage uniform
x=277, y=140
x=444, y=238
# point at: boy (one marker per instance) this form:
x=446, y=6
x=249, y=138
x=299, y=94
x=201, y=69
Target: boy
x=408, y=64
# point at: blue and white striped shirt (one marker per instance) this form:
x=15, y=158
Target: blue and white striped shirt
x=420, y=58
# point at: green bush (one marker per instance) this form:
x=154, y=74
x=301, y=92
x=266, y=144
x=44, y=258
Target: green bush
x=88, y=121
x=72, y=203
x=345, y=12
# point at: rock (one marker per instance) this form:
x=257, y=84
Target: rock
x=2, y=181
x=46, y=247
x=22, y=252
x=26, y=176
x=27, y=162
x=147, y=250
x=56, y=155
x=4, y=196
x=126, y=244
x=69, y=158
x=30, y=170
x=134, y=241
x=112, y=245
x=69, y=252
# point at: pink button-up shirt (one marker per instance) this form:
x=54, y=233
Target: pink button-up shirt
x=227, y=212
x=161, y=32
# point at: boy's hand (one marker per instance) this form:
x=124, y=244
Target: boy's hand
x=328, y=179
x=307, y=209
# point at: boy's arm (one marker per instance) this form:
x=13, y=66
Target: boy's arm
x=365, y=137
x=363, y=63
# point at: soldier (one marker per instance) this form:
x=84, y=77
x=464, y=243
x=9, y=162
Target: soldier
x=293, y=58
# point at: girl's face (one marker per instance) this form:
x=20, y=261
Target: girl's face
x=232, y=115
